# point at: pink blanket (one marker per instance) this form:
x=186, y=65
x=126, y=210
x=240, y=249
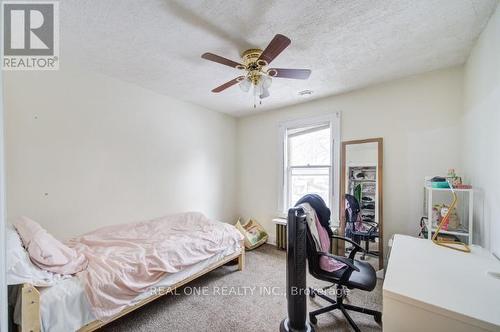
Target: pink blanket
x=125, y=260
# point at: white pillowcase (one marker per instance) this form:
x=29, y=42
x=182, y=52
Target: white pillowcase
x=20, y=269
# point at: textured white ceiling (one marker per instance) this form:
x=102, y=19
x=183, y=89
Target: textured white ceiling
x=348, y=44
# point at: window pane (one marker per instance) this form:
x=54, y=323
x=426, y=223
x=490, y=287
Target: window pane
x=309, y=181
x=310, y=148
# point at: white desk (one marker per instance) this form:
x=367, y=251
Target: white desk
x=431, y=288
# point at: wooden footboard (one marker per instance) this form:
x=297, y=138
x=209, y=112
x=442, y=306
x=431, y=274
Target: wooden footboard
x=30, y=310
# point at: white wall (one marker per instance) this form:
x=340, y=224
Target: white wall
x=85, y=150
x=482, y=131
x=418, y=117
x=3, y=283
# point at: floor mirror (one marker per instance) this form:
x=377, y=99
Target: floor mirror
x=361, y=209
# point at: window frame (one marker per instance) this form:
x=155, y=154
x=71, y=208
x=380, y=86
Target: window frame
x=333, y=121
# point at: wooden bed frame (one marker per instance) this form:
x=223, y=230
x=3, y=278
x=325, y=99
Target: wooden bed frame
x=30, y=298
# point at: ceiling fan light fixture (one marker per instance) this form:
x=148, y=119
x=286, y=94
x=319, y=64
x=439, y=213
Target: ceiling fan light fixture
x=262, y=86
x=245, y=84
x=266, y=81
x=264, y=92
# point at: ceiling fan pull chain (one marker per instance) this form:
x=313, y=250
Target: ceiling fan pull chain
x=255, y=95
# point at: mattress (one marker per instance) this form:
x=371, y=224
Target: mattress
x=64, y=307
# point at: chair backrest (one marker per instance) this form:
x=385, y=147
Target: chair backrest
x=319, y=205
x=352, y=210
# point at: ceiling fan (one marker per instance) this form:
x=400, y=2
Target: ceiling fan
x=255, y=64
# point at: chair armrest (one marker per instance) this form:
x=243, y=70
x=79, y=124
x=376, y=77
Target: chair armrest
x=357, y=246
x=373, y=226
x=370, y=223
x=347, y=261
x=356, y=249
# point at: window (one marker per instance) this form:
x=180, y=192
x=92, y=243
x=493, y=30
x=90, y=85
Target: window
x=310, y=148
x=308, y=164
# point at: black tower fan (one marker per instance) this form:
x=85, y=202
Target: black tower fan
x=296, y=289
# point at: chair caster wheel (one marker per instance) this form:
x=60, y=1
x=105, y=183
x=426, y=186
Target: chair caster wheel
x=313, y=319
x=378, y=318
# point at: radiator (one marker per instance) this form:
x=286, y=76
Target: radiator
x=281, y=234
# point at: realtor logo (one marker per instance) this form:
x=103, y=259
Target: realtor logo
x=30, y=35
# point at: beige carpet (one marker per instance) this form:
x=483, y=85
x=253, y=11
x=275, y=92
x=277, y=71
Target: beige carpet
x=251, y=300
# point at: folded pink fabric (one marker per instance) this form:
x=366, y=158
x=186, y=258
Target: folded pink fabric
x=326, y=263
x=321, y=239
x=47, y=252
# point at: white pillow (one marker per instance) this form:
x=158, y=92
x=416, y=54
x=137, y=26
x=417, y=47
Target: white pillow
x=20, y=269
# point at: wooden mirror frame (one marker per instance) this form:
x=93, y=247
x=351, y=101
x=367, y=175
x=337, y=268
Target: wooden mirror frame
x=380, y=167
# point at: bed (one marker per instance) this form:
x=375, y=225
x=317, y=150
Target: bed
x=41, y=308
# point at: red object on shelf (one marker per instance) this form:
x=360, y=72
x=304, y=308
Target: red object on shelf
x=462, y=186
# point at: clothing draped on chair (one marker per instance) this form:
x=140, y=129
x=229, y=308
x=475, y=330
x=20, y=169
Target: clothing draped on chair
x=321, y=238
x=319, y=206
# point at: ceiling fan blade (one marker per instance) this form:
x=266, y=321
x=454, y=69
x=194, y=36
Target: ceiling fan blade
x=298, y=74
x=275, y=47
x=228, y=84
x=222, y=60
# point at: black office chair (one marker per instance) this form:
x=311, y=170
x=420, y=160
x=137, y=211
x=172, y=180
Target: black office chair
x=355, y=275
x=368, y=234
